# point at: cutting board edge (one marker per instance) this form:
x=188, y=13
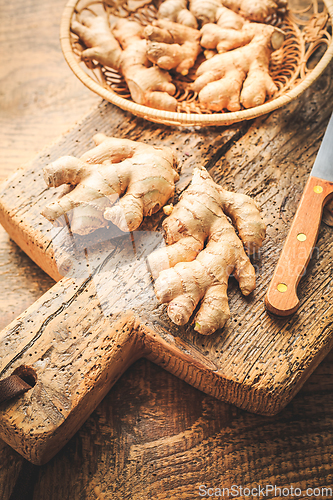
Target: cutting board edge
x=31, y=241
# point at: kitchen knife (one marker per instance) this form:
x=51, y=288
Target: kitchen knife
x=281, y=297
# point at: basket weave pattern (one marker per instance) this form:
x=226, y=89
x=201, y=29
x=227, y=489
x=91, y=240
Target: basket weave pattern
x=307, y=34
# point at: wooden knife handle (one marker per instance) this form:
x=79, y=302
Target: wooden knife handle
x=281, y=297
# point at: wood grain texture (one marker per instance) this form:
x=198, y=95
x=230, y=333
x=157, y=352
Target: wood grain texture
x=155, y=437
x=39, y=97
x=256, y=362
x=39, y=100
x=182, y=437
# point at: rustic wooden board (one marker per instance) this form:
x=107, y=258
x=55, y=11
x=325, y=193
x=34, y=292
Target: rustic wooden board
x=153, y=435
x=257, y=362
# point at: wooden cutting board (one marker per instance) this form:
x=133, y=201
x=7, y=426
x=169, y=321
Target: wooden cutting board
x=92, y=324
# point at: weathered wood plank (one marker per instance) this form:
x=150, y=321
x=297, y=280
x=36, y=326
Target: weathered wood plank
x=21, y=281
x=155, y=437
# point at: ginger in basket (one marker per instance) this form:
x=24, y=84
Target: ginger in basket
x=209, y=11
x=236, y=72
x=125, y=51
x=239, y=73
x=172, y=46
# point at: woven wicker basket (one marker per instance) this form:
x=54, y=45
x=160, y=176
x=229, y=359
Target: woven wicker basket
x=308, y=32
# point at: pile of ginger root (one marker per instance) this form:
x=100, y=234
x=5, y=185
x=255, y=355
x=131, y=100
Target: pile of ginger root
x=209, y=232
x=223, y=47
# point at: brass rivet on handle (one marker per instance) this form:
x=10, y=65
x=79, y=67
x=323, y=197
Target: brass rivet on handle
x=282, y=287
x=318, y=189
x=301, y=237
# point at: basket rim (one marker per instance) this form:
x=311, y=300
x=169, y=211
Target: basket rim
x=177, y=118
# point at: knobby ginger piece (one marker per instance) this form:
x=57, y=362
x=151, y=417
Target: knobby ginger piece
x=226, y=18
x=254, y=10
x=241, y=76
x=170, y=9
x=172, y=46
x=125, y=51
x=149, y=85
x=204, y=250
x=119, y=181
x=177, y=12
x=205, y=11
x=131, y=5
x=94, y=31
x=186, y=18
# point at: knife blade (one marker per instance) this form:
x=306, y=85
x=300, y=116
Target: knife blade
x=281, y=297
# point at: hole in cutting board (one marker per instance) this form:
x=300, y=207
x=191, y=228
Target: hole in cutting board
x=27, y=374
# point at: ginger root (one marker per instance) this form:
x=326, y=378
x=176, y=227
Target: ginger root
x=187, y=272
x=226, y=39
x=148, y=84
x=143, y=175
x=171, y=45
x=131, y=5
x=205, y=11
x=226, y=18
x=253, y=10
x=256, y=10
x=239, y=76
x=94, y=31
x=177, y=12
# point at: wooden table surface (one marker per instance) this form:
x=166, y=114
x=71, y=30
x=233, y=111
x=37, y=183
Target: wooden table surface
x=153, y=436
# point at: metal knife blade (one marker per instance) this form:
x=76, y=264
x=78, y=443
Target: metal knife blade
x=323, y=165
